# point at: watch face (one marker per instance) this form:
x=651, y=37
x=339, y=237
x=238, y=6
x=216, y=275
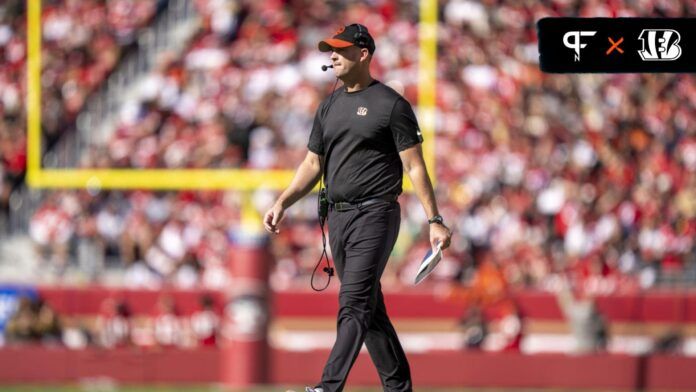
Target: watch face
x=436, y=219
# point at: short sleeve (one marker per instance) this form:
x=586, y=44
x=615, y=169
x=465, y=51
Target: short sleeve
x=316, y=137
x=404, y=126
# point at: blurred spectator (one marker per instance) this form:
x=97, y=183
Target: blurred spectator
x=34, y=321
x=474, y=328
x=48, y=325
x=75, y=334
x=511, y=328
x=587, y=324
x=51, y=229
x=669, y=343
x=487, y=287
x=114, y=326
x=205, y=322
x=168, y=327
x=20, y=327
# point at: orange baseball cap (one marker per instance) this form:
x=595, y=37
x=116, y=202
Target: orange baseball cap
x=354, y=34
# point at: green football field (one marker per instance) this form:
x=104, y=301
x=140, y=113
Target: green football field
x=214, y=388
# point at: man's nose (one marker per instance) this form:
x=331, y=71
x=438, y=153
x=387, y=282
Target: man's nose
x=334, y=56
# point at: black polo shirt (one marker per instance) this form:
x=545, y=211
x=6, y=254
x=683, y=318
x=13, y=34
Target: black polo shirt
x=359, y=135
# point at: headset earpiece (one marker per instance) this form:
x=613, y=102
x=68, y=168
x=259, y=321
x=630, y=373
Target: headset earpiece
x=360, y=38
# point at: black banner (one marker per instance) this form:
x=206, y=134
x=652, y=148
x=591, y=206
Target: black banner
x=581, y=45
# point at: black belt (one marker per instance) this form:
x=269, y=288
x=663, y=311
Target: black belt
x=347, y=206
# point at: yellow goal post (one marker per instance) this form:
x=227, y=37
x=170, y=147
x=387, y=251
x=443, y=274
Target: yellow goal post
x=228, y=179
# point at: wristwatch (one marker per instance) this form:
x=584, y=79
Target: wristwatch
x=437, y=219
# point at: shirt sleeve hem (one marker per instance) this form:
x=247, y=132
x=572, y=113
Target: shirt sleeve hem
x=408, y=145
x=315, y=150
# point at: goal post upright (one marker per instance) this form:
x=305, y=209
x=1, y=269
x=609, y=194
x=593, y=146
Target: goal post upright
x=223, y=179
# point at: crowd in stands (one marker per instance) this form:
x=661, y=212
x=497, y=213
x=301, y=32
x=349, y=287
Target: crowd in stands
x=82, y=42
x=590, y=177
x=180, y=238
x=35, y=321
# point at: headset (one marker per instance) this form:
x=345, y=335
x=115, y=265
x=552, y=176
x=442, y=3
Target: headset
x=360, y=37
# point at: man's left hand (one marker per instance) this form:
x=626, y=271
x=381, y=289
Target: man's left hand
x=440, y=234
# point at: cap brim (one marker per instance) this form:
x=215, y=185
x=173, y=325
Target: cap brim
x=328, y=44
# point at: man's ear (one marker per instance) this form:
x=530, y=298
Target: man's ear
x=364, y=54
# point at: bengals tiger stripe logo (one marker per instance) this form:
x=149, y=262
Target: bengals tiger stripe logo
x=340, y=30
x=662, y=45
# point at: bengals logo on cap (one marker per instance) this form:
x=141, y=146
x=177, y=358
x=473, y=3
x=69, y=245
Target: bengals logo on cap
x=340, y=30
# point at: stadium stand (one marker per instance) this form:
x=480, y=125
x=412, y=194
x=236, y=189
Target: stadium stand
x=549, y=173
x=82, y=43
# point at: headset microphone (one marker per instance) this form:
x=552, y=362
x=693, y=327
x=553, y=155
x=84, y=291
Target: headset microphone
x=325, y=67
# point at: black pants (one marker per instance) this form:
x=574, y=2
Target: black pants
x=361, y=240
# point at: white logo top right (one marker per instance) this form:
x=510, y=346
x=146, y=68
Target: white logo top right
x=660, y=45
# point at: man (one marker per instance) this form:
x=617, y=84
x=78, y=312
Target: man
x=364, y=136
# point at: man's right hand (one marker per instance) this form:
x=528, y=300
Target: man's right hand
x=273, y=218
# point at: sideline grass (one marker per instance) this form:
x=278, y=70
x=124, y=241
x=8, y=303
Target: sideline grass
x=198, y=388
